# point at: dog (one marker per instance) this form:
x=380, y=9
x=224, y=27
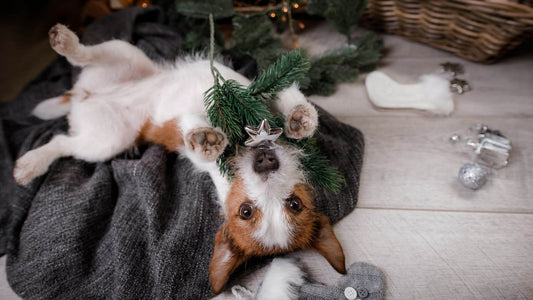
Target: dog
x=122, y=99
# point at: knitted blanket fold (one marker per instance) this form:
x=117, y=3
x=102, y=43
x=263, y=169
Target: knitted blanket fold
x=140, y=226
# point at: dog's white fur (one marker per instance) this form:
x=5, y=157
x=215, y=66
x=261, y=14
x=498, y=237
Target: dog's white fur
x=120, y=89
x=282, y=280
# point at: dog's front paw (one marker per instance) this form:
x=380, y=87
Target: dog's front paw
x=302, y=121
x=208, y=143
x=28, y=167
x=63, y=40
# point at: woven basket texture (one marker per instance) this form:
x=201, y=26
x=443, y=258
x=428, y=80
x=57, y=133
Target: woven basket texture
x=481, y=31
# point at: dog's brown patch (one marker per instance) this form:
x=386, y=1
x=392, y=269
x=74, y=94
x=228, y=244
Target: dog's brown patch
x=80, y=94
x=226, y=258
x=245, y=228
x=305, y=223
x=168, y=135
x=327, y=245
x=66, y=98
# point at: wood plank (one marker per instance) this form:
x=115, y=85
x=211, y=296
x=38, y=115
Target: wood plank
x=433, y=255
x=410, y=163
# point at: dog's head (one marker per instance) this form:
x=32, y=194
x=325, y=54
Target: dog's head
x=269, y=210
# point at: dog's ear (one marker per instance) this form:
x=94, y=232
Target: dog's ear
x=326, y=243
x=224, y=261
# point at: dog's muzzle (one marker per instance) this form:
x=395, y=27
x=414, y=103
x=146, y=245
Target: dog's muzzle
x=265, y=158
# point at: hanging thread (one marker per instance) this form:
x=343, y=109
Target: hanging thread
x=214, y=70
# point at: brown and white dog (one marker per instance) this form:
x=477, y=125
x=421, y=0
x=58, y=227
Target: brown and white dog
x=122, y=98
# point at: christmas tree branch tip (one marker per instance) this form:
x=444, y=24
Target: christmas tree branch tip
x=289, y=68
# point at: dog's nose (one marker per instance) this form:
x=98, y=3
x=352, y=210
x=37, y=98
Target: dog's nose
x=265, y=161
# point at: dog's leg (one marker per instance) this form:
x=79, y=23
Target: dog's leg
x=301, y=116
x=105, y=64
x=108, y=54
x=52, y=108
x=59, y=106
x=203, y=143
x=98, y=132
x=36, y=162
x=81, y=146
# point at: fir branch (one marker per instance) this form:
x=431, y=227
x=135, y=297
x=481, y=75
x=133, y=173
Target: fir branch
x=289, y=68
x=320, y=174
x=220, y=112
x=370, y=47
x=231, y=107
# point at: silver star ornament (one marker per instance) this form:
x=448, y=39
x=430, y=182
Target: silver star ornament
x=261, y=133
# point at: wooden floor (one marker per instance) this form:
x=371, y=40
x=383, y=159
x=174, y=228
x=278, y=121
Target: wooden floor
x=433, y=238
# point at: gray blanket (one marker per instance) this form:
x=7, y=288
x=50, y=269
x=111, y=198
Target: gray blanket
x=133, y=227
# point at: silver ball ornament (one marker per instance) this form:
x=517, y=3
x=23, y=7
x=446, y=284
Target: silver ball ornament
x=473, y=175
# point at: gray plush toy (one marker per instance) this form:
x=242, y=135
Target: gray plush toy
x=286, y=279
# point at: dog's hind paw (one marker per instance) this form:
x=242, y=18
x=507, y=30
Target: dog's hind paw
x=302, y=121
x=28, y=167
x=208, y=143
x=63, y=40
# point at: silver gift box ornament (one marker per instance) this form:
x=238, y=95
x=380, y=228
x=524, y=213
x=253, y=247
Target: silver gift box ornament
x=492, y=149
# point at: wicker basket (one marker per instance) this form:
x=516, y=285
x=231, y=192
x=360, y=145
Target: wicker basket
x=479, y=30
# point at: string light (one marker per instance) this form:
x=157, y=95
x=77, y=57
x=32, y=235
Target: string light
x=296, y=5
x=284, y=19
x=301, y=25
x=272, y=14
x=144, y=4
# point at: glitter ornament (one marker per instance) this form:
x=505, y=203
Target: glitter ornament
x=473, y=175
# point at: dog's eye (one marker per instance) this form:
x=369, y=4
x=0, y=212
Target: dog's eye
x=246, y=211
x=295, y=204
